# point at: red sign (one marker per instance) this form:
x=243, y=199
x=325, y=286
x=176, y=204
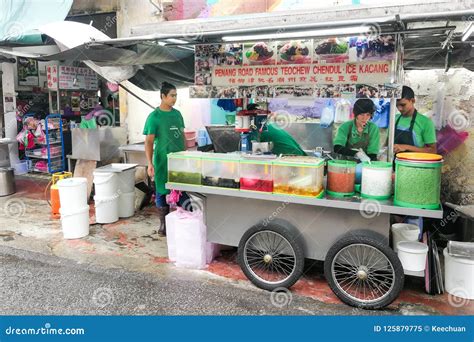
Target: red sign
x=305, y=74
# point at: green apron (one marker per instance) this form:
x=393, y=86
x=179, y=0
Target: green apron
x=168, y=138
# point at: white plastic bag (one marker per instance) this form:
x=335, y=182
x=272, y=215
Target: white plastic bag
x=343, y=111
x=327, y=116
x=190, y=239
x=171, y=227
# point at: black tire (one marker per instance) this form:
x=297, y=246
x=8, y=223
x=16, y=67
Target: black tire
x=293, y=244
x=391, y=277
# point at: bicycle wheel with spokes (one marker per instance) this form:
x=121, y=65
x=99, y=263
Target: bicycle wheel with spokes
x=363, y=271
x=271, y=256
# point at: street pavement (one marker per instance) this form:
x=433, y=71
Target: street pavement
x=38, y=284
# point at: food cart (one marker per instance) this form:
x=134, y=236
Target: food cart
x=350, y=236
x=274, y=233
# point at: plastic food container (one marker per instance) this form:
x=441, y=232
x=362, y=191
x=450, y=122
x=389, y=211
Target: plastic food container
x=300, y=176
x=221, y=170
x=417, y=184
x=376, y=180
x=256, y=175
x=404, y=232
x=341, y=178
x=412, y=255
x=185, y=167
x=458, y=275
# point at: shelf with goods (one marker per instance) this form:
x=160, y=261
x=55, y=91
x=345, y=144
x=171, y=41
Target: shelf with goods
x=47, y=154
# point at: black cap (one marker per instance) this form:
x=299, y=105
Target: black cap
x=362, y=106
x=407, y=93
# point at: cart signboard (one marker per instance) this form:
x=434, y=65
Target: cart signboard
x=304, y=74
x=352, y=66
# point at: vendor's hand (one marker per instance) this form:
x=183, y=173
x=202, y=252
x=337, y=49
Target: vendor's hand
x=397, y=148
x=151, y=171
x=362, y=156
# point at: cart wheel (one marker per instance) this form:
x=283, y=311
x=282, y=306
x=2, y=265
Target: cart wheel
x=271, y=256
x=363, y=271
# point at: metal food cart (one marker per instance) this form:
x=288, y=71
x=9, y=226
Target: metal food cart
x=275, y=233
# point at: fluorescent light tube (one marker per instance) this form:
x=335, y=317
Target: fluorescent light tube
x=467, y=33
x=177, y=41
x=301, y=34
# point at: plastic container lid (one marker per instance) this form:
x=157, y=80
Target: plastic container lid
x=412, y=247
x=377, y=165
x=299, y=161
x=75, y=181
x=419, y=156
x=342, y=163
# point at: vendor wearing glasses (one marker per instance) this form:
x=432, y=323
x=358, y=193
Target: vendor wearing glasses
x=359, y=139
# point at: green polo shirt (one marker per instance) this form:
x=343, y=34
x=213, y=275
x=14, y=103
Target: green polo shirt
x=283, y=142
x=424, y=132
x=355, y=137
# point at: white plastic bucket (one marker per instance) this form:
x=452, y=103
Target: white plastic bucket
x=404, y=232
x=106, y=209
x=72, y=193
x=126, y=204
x=458, y=276
x=106, y=184
x=126, y=181
x=412, y=255
x=75, y=224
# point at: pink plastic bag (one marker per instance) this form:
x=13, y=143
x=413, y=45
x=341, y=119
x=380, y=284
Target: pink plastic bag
x=173, y=197
x=449, y=139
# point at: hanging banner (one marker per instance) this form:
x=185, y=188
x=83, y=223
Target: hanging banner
x=304, y=74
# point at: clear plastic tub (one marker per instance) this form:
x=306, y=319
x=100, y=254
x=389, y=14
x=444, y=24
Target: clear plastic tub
x=185, y=167
x=376, y=180
x=221, y=170
x=256, y=175
x=341, y=178
x=300, y=176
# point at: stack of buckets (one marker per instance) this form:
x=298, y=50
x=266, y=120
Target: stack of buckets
x=74, y=209
x=114, y=195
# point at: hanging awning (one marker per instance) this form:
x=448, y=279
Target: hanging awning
x=20, y=19
x=431, y=40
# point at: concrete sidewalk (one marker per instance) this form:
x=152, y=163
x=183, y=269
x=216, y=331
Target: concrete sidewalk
x=133, y=245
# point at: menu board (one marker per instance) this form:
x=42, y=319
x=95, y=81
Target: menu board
x=333, y=67
x=71, y=78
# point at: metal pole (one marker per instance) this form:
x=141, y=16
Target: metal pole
x=391, y=128
x=135, y=95
x=398, y=70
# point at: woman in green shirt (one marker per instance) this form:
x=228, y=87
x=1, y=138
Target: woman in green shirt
x=359, y=134
x=164, y=134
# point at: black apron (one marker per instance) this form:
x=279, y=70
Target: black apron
x=403, y=137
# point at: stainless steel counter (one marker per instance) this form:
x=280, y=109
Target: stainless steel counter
x=354, y=203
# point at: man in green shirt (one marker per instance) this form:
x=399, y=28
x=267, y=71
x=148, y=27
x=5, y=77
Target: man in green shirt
x=359, y=138
x=164, y=134
x=283, y=142
x=414, y=132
